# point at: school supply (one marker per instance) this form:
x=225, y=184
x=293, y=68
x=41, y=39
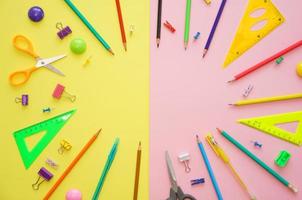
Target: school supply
x=299, y=69
x=218, y=16
x=23, y=100
x=196, y=36
x=46, y=110
x=169, y=26
x=267, y=124
x=197, y=181
x=78, y=46
x=175, y=191
x=209, y=168
x=264, y=62
x=71, y=165
x=73, y=194
x=158, y=30
x=279, y=60
x=89, y=26
x=221, y=154
x=120, y=19
x=184, y=158
x=45, y=175
x=247, y=33
x=137, y=171
x=256, y=144
x=60, y=90
x=51, y=163
x=267, y=99
x=21, y=43
x=51, y=127
x=35, y=14
x=248, y=90
x=187, y=23
x=87, y=61
x=282, y=158
x=106, y=169
x=207, y=1
x=131, y=29
x=63, y=31
x=258, y=161
x=64, y=146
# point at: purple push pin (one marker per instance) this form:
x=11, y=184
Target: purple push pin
x=45, y=175
x=63, y=32
x=35, y=14
x=23, y=99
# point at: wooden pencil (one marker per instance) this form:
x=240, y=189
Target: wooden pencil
x=137, y=171
x=187, y=23
x=120, y=19
x=159, y=9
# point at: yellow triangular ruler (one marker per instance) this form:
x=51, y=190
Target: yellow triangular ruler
x=245, y=38
x=268, y=124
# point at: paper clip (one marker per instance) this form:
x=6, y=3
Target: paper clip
x=51, y=163
x=87, y=61
x=169, y=26
x=279, y=60
x=185, y=157
x=248, y=90
x=257, y=144
x=131, y=29
x=59, y=90
x=45, y=175
x=23, y=99
x=197, y=181
x=63, y=32
x=64, y=146
x=196, y=36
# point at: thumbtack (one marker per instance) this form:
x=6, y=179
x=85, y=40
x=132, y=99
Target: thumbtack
x=279, y=60
x=185, y=157
x=45, y=175
x=131, y=29
x=248, y=90
x=197, y=181
x=257, y=144
x=64, y=146
x=23, y=99
x=169, y=26
x=63, y=32
x=47, y=110
x=59, y=90
x=196, y=36
x=87, y=61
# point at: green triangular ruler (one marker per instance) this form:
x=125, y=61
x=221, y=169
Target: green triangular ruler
x=51, y=127
x=268, y=124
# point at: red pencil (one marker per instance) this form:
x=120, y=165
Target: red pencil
x=120, y=19
x=264, y=62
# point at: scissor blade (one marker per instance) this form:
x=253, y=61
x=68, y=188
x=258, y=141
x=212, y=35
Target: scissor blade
x=171, y=172
x=44, y=62
x=55, y=70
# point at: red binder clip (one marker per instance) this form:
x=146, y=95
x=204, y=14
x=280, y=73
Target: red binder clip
x=169, y=26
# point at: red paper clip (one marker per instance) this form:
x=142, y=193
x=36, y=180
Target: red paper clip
x=169, y=26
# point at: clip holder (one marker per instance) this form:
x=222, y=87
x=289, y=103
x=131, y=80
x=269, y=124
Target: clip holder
x=63, y=32
x=45, y=175
x=64, y=146
x=169, y=26
x=23, y=99
x=60, y=90
x=184, y=158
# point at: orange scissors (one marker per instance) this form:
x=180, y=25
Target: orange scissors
x=23, y=44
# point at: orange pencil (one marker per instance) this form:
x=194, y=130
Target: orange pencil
x=138, y=163
x=120, y=19
x=72, y=164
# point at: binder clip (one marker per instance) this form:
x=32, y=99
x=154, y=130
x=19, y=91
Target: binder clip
x=247, y=91
x=131, y=29
x=184, y=158
x=169, y=26
x=196, y=36
x=63, y=32
x=23, y=99
x=45, y=175
x=197, y=181
x=64, y=146
x=51, y=163
x=58, y=92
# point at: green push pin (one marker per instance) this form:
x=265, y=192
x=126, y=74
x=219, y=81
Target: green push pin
x=282, y=158
x=78, y=46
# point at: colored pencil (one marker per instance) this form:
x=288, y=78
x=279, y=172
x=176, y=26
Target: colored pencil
x=137, y=171
x=218, y=16
x=105, y=171
x=159, y=9
x=258, y=161
x=209, y=168
x=89, y=26
x=267, y=99
x=120, y=19
x=187, y=23
x=71, y=165
x=266, y=61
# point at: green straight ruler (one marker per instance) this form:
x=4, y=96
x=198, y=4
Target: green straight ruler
x=51, y=127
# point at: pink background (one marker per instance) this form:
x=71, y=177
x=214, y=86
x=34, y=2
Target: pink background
x=190, y=95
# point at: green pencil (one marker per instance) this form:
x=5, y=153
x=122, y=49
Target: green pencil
x=88, y=25
x=187, y=23
x=258, y=161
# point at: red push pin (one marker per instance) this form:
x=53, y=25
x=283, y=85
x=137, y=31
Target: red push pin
x=169, y=26
x=59, y=91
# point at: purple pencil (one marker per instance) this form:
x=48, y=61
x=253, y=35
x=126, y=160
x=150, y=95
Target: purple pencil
x=214, y=28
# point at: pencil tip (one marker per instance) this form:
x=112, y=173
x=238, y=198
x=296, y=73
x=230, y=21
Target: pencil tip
x=231, y=104
x=230, y=81
x=218, y=130
x=204, y=53
x=125, y=46
x=99, y=131
x=110, y=50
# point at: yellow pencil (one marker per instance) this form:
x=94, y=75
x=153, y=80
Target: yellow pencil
x=267, y=99
x=220, y=153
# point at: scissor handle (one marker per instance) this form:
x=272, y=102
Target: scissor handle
x=24, y=44
x=20, y=77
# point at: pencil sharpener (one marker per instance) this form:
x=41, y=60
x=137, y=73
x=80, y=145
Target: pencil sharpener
x=282, y=158
x=184, y=158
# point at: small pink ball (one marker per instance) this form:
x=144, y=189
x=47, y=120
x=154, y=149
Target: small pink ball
x=73, y=194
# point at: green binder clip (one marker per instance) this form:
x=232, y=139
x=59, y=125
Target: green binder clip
x=282, y=158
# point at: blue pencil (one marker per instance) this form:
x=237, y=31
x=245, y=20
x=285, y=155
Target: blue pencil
x=209, y=168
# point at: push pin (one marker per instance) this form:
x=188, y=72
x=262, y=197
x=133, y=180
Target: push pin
x=87, y=61
x=169, y=26
x=257, y=144
x=23, y=99
x=45, y=175
x=197, y=181
x=51, y=163
x=248, y=90
x=64, y=146
x=46, y=110
x=63, y=32
x=185, y=157
x=279, y=60
x=196, y=36
x=59, y=90
x=131, y=29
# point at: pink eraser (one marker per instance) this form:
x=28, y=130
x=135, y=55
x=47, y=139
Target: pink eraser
x=57, y=93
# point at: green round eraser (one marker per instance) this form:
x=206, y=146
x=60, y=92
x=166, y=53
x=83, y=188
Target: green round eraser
x=78, y=46
x=299, y=69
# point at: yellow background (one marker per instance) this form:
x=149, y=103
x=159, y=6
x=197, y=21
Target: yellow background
x=112, y=93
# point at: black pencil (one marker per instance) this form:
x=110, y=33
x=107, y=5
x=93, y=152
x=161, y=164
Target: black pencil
x=158, y=22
